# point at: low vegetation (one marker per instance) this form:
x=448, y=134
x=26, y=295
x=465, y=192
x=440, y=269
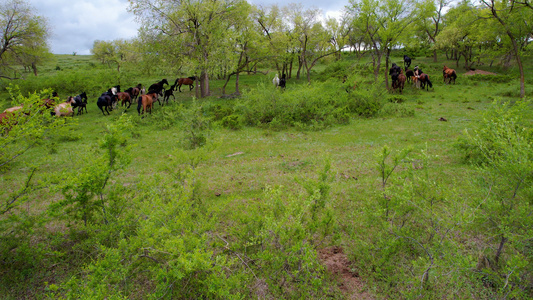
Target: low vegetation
x=427, y=194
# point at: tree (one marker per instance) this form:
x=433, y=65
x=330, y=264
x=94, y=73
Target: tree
x=313, y=41
x=430, y=21
x=516, y=23
x=198, y=31
x=116, y=52
x=383, y=23
x=23, y=37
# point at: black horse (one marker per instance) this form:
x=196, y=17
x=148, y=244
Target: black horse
x=282, y=81
x=80, y=101
x=406, y=61
x=394, y=71
x=409, y=74
x=158, y=87
x=168, y=93
x=106, y=101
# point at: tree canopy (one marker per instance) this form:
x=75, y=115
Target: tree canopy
x=23, y=39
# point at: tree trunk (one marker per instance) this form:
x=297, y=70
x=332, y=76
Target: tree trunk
x=387, y=68
x=204, y=84
x=237, y=83
x=435, y=55
x=34, y=68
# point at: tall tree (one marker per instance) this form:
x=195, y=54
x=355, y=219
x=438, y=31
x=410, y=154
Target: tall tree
x=383, y=23
x=199, y=31
x=429, y=22
x=516, y=23
x=23, y=36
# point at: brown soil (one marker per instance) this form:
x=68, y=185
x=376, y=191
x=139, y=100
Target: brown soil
x=479, y=72
x=348, y=280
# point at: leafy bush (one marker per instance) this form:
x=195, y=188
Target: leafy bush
x=317, y=106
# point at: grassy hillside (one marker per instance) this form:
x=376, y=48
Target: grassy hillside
x=270, y=210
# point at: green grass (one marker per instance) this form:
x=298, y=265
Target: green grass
x=229, y=183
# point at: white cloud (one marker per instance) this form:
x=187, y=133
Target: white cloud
x=77, y=24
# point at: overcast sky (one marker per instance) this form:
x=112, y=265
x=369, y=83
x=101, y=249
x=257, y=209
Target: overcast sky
x=76, y=24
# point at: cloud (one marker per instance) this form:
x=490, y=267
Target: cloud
x=77, y=24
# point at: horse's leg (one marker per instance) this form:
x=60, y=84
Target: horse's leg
x=179, y=87
x=191, y=86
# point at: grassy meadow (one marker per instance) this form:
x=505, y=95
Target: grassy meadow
x=259, y=210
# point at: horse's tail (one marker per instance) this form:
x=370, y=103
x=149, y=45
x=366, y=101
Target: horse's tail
x=454, y=75
x=429, y=82
x=139, y=104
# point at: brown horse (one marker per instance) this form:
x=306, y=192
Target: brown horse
x=185, y=81
x=124, y=97
x=399, y=83
x=424, y=81
x=449, y=74
x=146, y=102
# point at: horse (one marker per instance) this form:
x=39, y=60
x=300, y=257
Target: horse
x=394, y=71
x=424, y=81
x=168, y=93
x=134, y=92
x=282, y=81
x=406, y=62
x=124, y=97
x=146, y=102
x=409, y=74
x=416, y=82
x=158, y=86
x=80, y=101
x=104, y=101
x=449, y=74
x=400, y=83
x=185, y=81
x=114, y=90
x=64, y=109
x=275, y=81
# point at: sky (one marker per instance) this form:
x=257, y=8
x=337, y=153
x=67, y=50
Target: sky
x=76, y=24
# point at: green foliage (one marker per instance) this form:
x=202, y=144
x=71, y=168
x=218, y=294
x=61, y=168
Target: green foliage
x=196, y=127
x=306, y=107
x=83, y=190
x=367, y=100
x=503, y=147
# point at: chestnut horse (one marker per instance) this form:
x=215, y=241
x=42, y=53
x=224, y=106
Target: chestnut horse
x=449, y=74
x=185, y=81
x=124, y=97
x=146, y=102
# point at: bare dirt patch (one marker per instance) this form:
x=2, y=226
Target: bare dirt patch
x=479, y=72
x=338, y=264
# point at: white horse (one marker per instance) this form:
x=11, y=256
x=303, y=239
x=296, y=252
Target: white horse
x=275, y=81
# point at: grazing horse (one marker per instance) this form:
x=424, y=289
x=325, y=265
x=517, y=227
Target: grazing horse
x=449, y=74
x=146, y=102
x=158, y=86
x=185, y=81
x=406, y=62
x=424, y=81
x=106, y=101
x=80, y=101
